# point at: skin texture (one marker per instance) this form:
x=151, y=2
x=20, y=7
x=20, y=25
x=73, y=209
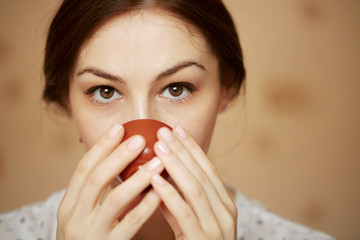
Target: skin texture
x=137, y=57
x=137, y=48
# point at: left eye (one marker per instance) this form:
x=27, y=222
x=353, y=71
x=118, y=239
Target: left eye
x=105, y=94
x=176, y=91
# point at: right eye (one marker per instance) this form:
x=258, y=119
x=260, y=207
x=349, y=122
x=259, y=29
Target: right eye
x=104, y=94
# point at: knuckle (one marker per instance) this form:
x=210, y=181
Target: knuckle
x=213, y=168
x=124, y=153
x=193, y=146
x=186, y=215
x=121, y=153
x=114, y=200
x=102, y=143
x=132, y=218
x=231, y=208
x=182, y=237
x=178, y=147
x=118, y=154
x=82, y=167
x=203, y=178
x=181, y=152
x=149, y=203
x=176, y=150
x=196, y=191
x=172, y=194
x=96, y=178
x=64, y=210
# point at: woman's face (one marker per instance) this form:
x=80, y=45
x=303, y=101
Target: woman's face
x=146, y=65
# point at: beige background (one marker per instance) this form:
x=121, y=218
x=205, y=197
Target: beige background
x=293, y=142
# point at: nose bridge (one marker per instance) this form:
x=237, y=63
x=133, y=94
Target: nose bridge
x=143, y=108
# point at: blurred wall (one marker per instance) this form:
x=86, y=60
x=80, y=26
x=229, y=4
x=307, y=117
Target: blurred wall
x=292, y=141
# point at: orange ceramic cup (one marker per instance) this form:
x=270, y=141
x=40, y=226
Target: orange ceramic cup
x=148, y=129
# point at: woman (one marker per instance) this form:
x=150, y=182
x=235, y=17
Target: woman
x=108, y=62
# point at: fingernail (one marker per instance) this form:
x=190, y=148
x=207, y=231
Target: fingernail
x=114, y=130
x=181, y=132
x=166, y=134
x=153, y=164
x=135, y=143
x=158, y=180
x=162, y=147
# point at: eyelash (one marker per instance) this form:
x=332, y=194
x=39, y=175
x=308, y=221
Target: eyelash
x=92, y=90
x=188, y=87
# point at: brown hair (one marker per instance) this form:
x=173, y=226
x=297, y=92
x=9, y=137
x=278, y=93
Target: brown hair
x=77, y=20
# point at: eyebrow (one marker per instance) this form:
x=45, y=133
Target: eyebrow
x=166, y=73
x=179, y=67
x=102, y=74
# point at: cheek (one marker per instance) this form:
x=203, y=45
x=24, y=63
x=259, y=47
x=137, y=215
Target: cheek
x=200, y=125
x=202, y=133
x=91, y=124
x=198, y=118
x=90, y=129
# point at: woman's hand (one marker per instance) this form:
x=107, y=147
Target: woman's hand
x=203, y=208
x=82, y=216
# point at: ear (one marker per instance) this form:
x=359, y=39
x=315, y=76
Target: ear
x=225, y=99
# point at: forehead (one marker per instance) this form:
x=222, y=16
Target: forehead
x=146, y=31
x=149, y=20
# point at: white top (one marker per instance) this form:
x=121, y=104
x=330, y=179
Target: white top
x=255, y=222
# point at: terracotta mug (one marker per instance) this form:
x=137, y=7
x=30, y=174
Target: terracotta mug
x=148, y=129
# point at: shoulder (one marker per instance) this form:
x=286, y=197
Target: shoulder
x=257, y=222
x=35, y=221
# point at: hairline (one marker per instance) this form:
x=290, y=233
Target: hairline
x=189, y=29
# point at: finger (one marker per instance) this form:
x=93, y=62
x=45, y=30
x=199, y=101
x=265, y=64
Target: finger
x=227, y=213
x=136, y=218
x=192, y=190
x=182, y=212
x=124, y=194
x=108, y=169
x=223, y=216
x=105, y=145
x=186, y=157
x=171, y=220
x=206, y=165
